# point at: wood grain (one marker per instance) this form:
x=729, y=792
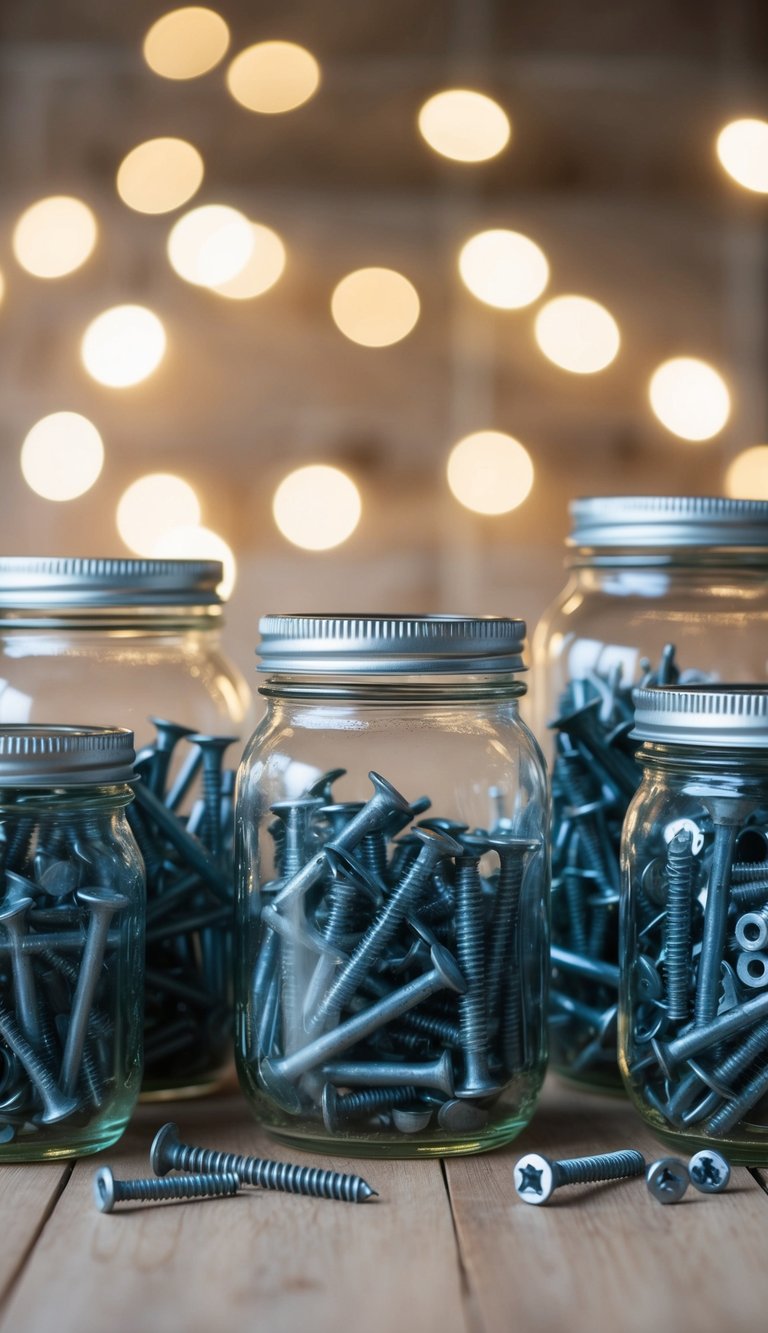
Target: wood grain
x=264, y=1261
x=28, y=1194
x=606, y=1256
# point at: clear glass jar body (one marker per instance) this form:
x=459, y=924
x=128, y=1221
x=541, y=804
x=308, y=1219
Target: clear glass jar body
x=609, y=629
x=129, y=664
x=695, y=853
x=71, y=969
x=470, y=754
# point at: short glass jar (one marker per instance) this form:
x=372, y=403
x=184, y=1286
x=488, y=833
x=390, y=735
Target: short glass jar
x=694, y=920
x=71, y=941
x=392, y=950
x=139, y=641
x=661, y=589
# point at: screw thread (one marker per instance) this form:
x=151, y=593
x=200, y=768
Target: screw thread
x=576, y=905
x=731, y=1112
x=212, y=803
x=271, y=1175
x=373, y=854
x=603, y=1166
x=373, y=1099
x=750, y=893
x=504, y=929
x=739, y=1059
x=680, y=870
x=427, y=1025
x=749, y=872
x=470, y=949
x=176, y=1187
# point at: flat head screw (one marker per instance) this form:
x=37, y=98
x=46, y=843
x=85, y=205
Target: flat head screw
x=212, y=750
x=168, y=736
x=103, y=904
x=323, y=786
x=168, y=1154
x=709, y=1171
x=537, y=1178
x=297, y=817
x=14, y=918
x=667, y=1179
x=726, y=814
x=107, y=1191
x=56, y=1105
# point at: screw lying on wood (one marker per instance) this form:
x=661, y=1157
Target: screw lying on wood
x=537, y=1178
x=107, y=1191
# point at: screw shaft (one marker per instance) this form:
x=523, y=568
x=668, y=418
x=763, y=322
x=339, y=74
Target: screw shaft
x=271, y=1175
x=603, y=1166
x=680, y=868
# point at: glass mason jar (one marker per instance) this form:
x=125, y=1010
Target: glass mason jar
x=661, y=589
x=392, y=887
x=71, y=941
x=139, y=641
x=694, y=920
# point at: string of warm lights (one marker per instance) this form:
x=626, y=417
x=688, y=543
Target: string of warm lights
x=216, y=247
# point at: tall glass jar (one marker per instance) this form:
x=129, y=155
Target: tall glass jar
x=661, y=589
x=392, y=873
x=139, y=641
x=71, y=941
x=694, y=920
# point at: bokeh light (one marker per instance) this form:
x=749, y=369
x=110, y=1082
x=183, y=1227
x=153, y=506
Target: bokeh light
x=747, y=475
x=210, y=245
x=503, y=268
x=317, y=507
x=2, y=286
x=54, y=236
x=272, y=77
x=262, y=270
x=742, y=147
x=186, y=42
x=464, y=125
x=159, y=175
x=152, y=506
x=198, y=543
x=490, y=472
x=375, y=306
x=690, y=398
x=62, y=456
x=577, y=334
x=123, y=345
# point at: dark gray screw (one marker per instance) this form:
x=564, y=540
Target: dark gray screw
x=14, y=918
x=212, y=750
x=470, y=949
x=323, y=786
x=184, y=779
x=709, y=1171
x=537, y=1178
x=103, y=904
x=727, y=814
x=56, y=1106
x=734, y=1110
x=677, y=964
x=192, y=852
x=670, y=1054
x=339, y=1111
x=297, y=816
x=436, y=1073
x=107, y=1191
x=583, y=728
x=667, y=1179
x=168, y=736
x=591, y=969
x=168, y=1154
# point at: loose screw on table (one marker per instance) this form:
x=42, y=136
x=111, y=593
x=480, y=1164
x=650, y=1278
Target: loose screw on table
x=537, y=1178
x=168, y=1154
x=709, y=1171
x=107, y=1191
x=667, y=1180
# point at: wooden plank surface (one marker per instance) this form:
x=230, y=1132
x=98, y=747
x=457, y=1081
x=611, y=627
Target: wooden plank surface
x=262, y=1261
x=606, y=1256
x=28, y=1195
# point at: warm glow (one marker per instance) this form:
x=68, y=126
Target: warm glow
x=123, y=345
x=743, y=150
x=690, y=398
x=375, y=306
x=490, y=472
x=196, y=543
x=747, y=475
x=464, y=125
x=62, y=456
x=503, y=268
x=159, y=175
x=186, y=42
x=578, y=334
x=271, y=77
x=317, y=507
x=210, y=245
x=152, y=506
x=262, y=270
x=2, y=286
x=54, y=236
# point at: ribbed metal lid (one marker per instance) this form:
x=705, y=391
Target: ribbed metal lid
x=667, y=520
x=391, y=644
x=703, y=715
x=46, y=756
x=63, y=581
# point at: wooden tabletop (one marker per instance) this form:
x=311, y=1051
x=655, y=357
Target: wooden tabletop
x=446, y=1247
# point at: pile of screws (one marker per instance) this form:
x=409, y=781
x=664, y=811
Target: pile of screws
x=668, y=1179
x=61, y=934
x=390, y=966
x=536, y=1177
x=594, y=778
x=698, y=1016
x=212, y=1174
x=190, y=890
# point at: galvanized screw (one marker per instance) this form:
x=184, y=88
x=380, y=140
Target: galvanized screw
x=103, y=905
x=14, y=918
x=726, y=814
x=56, y=1105
x=667, y=1179
x=168, y=736
x=709, y=1171
x=680, y=872
x=168, y=1154
x=212, y=750
x=437, y=1073
x=470, y=948
x=339, y=1111
x=107, y=1191
x=537, y=1178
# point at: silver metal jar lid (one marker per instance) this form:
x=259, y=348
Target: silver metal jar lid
x=391, y=644
x=667, y=520
x=712, y=715
x=78, y=581
x=45, y=756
